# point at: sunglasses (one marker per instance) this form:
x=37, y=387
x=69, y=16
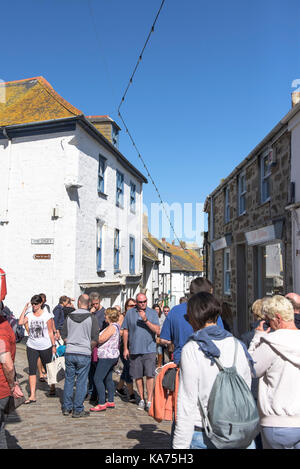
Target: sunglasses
x=145, y=301
x=132, y=304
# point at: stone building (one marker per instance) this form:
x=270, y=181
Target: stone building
x=248, y=248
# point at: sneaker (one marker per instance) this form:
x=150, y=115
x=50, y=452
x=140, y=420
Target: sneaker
x=147, y=406
x=132, y=398
x=67, y=412
x=83, y=413
x=121, y=392
x=110, y=405
x=98, y=408
x=141, y=405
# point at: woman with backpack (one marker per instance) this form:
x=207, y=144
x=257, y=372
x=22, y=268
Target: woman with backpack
x=208, y=346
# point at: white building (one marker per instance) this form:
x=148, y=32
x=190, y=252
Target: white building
x=186, y=265
x=71, y=204
x=293, y=118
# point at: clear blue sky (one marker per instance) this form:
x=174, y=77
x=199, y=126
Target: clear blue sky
x=215, y=78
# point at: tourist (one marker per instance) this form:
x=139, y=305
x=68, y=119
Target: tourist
x=108, y=355
x=41, y=341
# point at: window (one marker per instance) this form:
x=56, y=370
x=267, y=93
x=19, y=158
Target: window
x=265, y=172
x=117, y=250
x=115, y=136
x=101, y=170
x=242, y=193
x=227, y=206
x=132, y=196
x=99, y=246
x=120, y=189
x=227, y=272
x=131, y=255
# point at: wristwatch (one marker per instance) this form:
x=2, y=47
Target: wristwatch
x=145, y=320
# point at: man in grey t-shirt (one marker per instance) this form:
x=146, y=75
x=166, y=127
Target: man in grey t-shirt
x=140, y=326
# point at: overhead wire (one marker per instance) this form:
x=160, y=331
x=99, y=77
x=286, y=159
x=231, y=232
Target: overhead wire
x=126, y=126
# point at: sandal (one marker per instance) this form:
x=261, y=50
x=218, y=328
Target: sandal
x=29, y=401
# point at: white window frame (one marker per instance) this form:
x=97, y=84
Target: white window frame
x=264, y=177
x=227, y=272
x=101, y=173
x=99, y=245
x=119, y=189
x=132, y=197
x=242, y=193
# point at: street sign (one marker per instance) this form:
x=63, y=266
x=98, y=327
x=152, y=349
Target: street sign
x=41, y=256
x=42, y=241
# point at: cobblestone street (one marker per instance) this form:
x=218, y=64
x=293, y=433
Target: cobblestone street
x=42, y=426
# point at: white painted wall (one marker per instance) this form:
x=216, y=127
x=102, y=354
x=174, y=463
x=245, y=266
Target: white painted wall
x=33, y=174
x=32, y=181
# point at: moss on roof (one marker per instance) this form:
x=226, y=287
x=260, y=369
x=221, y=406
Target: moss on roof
x=184, y=259
x=32, y=100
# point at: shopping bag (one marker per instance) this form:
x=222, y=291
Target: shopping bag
x=56, y=370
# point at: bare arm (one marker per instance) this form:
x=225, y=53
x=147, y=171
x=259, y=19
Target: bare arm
x=8, y=368
x=51, y=334
x=125, y=343
x=23, y=320
x=106, y=334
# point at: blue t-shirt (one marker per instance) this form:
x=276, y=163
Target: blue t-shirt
x=178, y=330
x=141, y=339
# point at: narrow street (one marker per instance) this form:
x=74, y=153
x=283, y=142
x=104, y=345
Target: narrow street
x=42, y=425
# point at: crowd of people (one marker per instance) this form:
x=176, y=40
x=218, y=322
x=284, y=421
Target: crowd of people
x=192, y=336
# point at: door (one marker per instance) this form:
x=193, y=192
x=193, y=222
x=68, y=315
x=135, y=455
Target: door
x=241, y=289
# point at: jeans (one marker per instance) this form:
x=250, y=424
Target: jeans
x=200, y=441
x=3, y=442
x=103, y=379
x=92, y=391
x=280, y=437
x=77, y=366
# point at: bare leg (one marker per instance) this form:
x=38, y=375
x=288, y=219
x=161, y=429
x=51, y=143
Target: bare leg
x=140, y=387
x=32, y=386
x=150, y=386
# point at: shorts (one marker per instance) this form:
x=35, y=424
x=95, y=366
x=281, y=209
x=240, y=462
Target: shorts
x=33, y=355
x=142, y=365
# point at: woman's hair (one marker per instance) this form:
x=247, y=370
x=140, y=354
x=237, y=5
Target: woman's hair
x=226, y=313
x=278, y=304
x=112, y=314
x=203, y=308
x=128, y=301
x=36, y=299
x=257, y=309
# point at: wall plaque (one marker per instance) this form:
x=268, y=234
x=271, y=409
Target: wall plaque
x=41, y=256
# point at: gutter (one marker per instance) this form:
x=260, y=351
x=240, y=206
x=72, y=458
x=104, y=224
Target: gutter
x=82, y=120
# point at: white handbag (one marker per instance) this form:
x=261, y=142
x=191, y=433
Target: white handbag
x=56, y=370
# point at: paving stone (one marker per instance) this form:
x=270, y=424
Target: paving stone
x=42, y=425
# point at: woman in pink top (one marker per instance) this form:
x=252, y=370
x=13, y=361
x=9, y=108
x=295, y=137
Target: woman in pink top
x=108, y=355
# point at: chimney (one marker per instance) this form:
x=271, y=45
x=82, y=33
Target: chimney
x=107, y=126
x=295, y=98
x=145, y=225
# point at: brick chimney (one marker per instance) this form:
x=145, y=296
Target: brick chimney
x=107, y=126
x=295, y=98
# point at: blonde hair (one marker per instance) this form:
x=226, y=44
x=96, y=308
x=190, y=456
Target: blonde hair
x=278, y=304
x=112, y=314
x=257, y=309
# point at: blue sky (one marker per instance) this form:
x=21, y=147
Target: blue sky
x=215, y=78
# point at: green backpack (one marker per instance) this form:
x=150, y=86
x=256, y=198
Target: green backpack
x=231, y=420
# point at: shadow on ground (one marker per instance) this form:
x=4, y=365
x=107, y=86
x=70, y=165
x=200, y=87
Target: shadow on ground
x=150, y=437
